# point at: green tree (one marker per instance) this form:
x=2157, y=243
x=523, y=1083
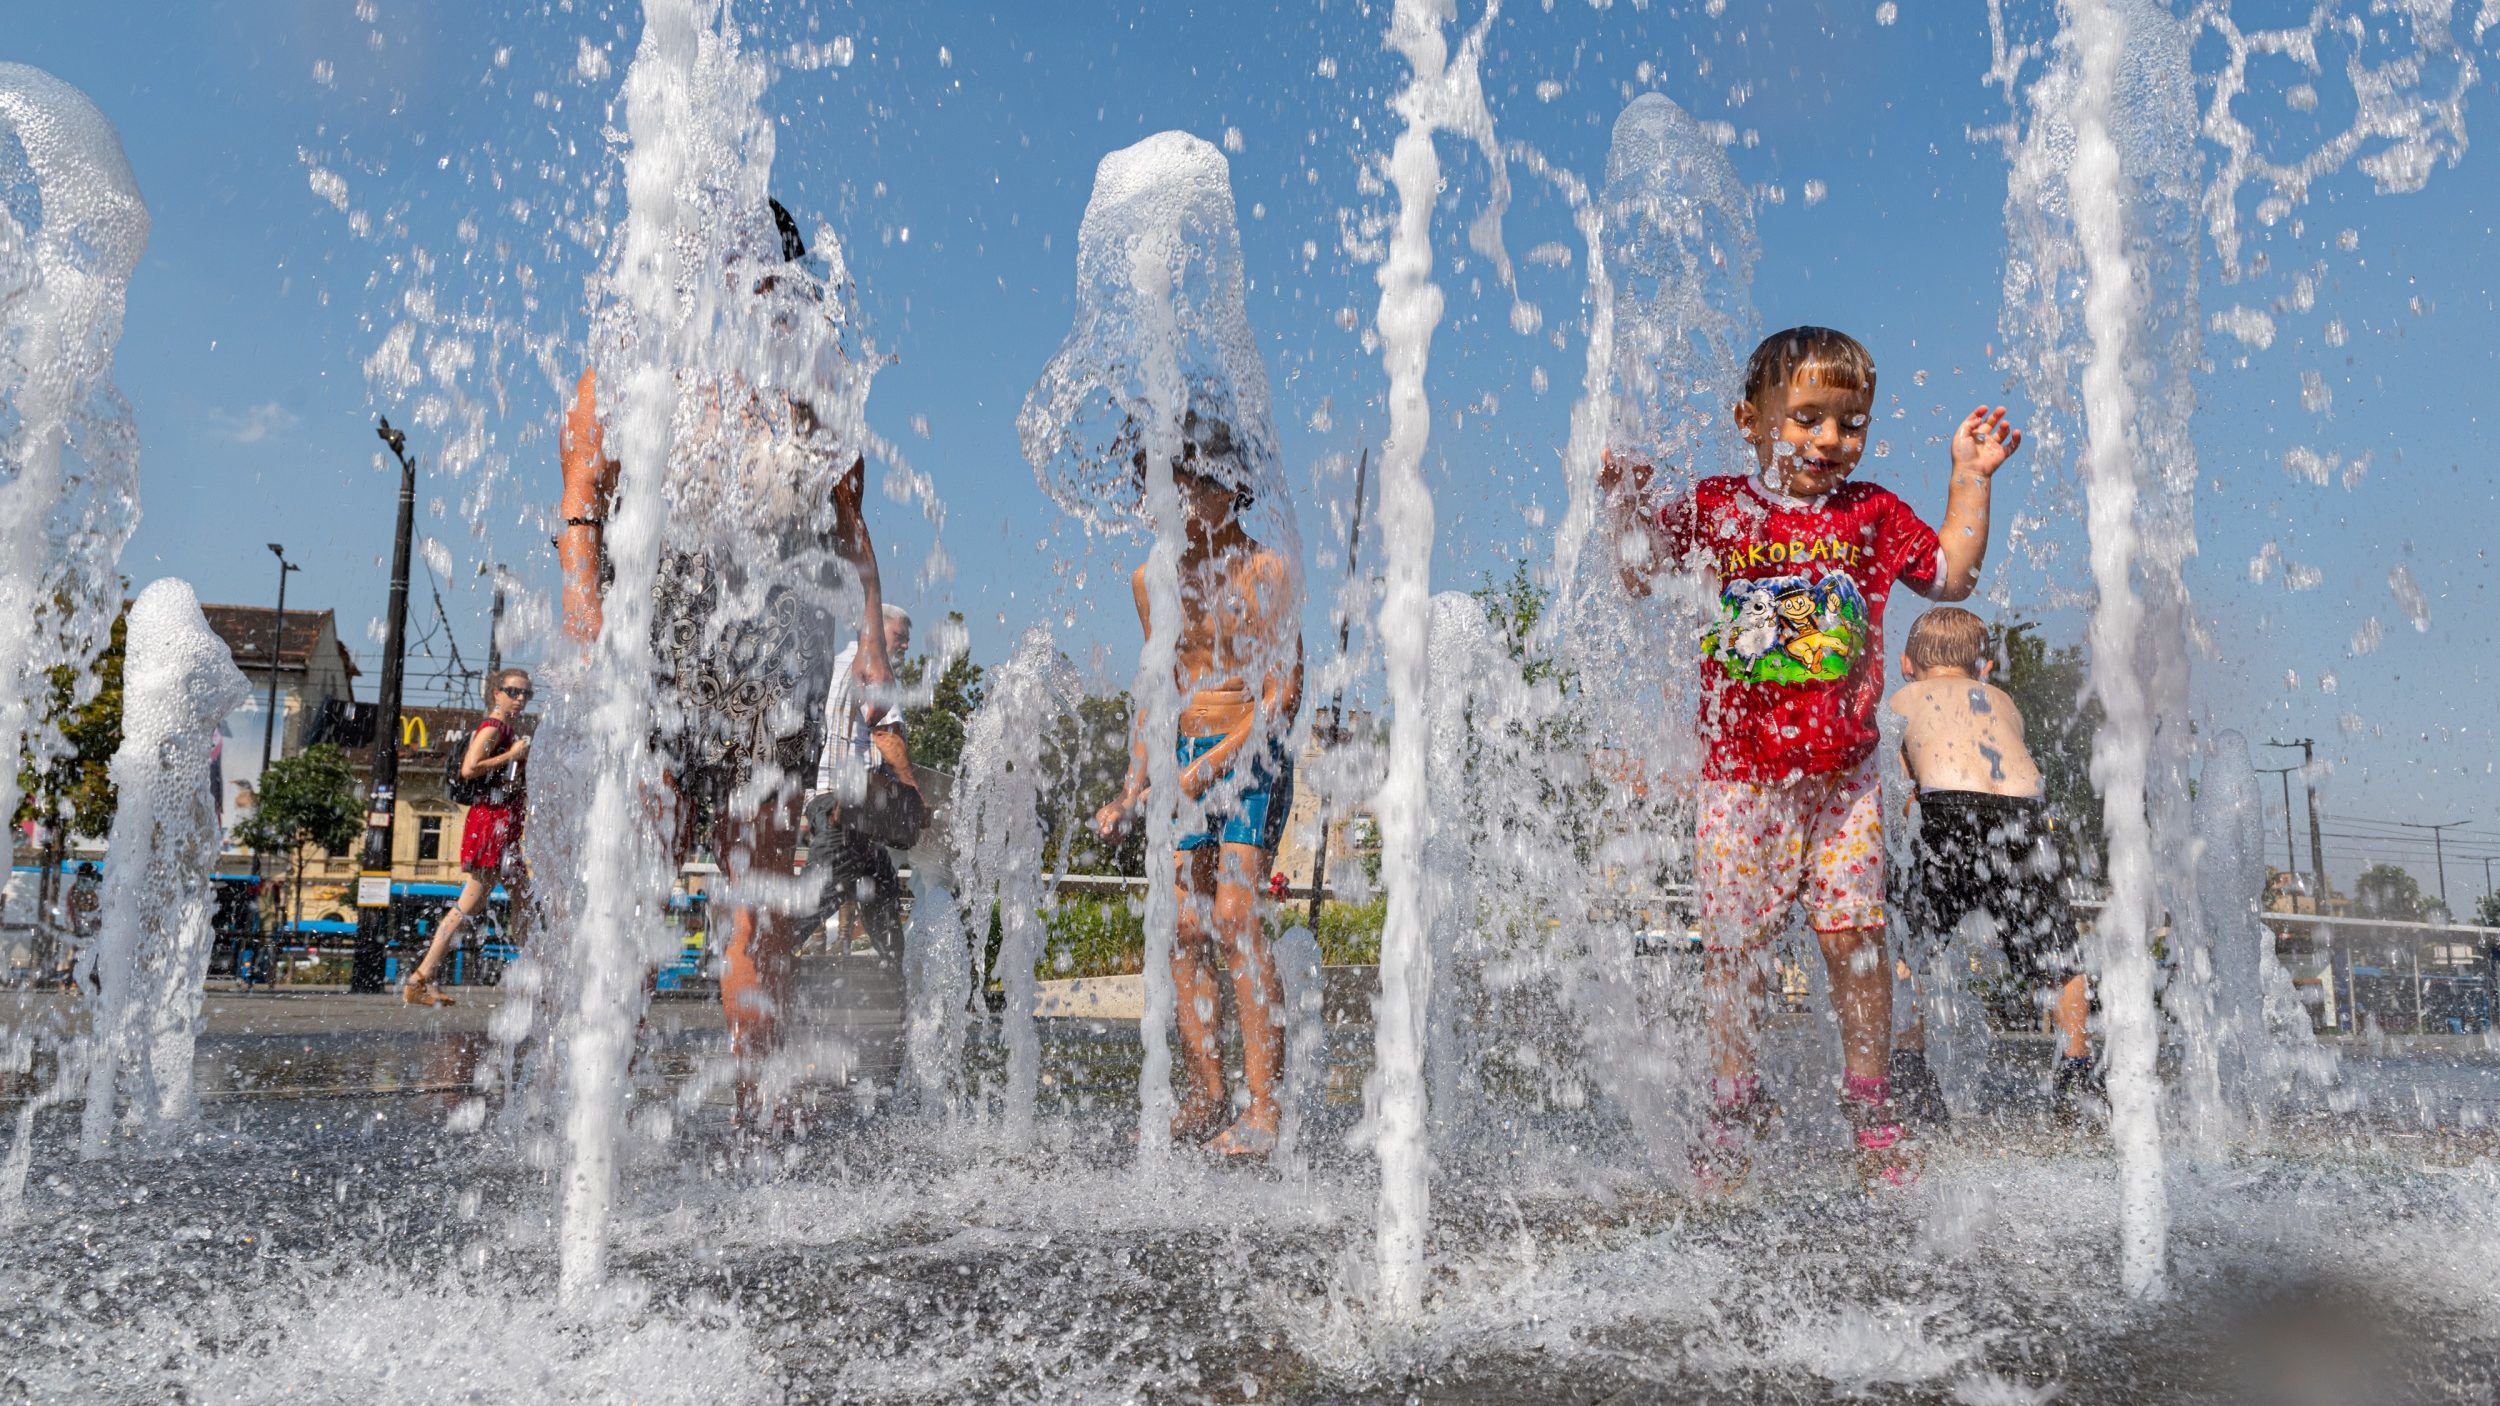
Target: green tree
x=1514, y=606
x=306, y=799
x=2390, y=891
x=937, y=728
x=1087, y=753
x=76, y=783
x=2487, y=910
x=2053, y=688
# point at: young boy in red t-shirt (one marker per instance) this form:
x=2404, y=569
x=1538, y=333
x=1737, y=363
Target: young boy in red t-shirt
x=1792, y=673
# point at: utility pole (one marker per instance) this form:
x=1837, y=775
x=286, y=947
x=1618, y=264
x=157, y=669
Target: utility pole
x=2309, y=788
x=1336, y=705
x=269, y=723
x=494, y=632
x=2439, y=849
x=2291, y=866
x=373, y=870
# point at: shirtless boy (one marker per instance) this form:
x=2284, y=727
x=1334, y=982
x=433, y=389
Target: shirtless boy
x=1983, y=830
x=1791, y=808
x=1238, y=669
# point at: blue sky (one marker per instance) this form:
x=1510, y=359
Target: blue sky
x=952, y=149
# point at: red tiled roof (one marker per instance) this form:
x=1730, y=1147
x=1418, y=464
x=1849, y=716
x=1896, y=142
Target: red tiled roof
x=246, y=631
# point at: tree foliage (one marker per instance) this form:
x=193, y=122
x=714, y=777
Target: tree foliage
x=936, y=729
x=2487, y=910
x=85, y=707
x=1514, y=606
x=306, y=799
x=2053, y=688
x=1087, y=754
x=2390, y=891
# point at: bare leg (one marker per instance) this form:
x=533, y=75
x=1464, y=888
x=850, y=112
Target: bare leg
x=1197, y=999
x=1732, y=985
x=2074, y=1010
x=472, y=897
x=1912, y=1036
x=757, y=965
x=1258, y=988
x=1861, y=981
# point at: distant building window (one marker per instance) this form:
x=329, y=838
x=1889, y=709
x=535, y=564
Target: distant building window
x=429, y=837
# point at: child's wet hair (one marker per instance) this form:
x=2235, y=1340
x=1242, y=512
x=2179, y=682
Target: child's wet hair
x=1816, y=355
x=1947, y=637
x=1208, y=453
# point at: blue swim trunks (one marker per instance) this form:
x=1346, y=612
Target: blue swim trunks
x=1259, y=802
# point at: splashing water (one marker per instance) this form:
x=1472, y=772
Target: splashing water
x=1671, y=249
x=2107, y=193
x=937, y=981
x=698, y=307
x=72, y=227
x=2245, y=1035
x=999, y=841
x=153, y=936
x=1161, y=346
x=1443, y=92
x=2106, y=158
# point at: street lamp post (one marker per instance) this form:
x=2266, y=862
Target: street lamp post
x=269, y=721
x=494, y=633
x=1335, y=734
x=2309, y=789
x=373, y=870
x=2439, y=849
x=2290, y=865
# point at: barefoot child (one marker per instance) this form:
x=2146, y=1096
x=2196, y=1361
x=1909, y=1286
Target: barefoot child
x=1790, y=805
x=1238, y=669
x=1983, y=831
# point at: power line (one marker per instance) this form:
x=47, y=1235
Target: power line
x=2439, y=850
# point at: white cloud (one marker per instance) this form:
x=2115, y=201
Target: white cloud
x=253, y=425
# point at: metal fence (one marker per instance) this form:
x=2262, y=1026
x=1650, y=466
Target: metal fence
x=2419, y=978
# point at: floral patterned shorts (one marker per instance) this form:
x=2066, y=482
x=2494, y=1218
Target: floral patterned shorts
x=1763, y=847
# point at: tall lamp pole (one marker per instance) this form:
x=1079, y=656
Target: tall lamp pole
x=2309, y=789
x=1336, y=708
x=373, y=870
x=2439, y=848
x=494, y=632
x=2291, y=866
x=269, y=722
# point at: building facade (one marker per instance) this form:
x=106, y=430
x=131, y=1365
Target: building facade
x=425, y=826
x=312, y=670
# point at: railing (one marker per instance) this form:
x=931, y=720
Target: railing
x=2422, y=977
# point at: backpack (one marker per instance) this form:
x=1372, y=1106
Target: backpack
x=468, y=790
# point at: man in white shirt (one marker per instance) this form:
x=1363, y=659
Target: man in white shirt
x=863, y=730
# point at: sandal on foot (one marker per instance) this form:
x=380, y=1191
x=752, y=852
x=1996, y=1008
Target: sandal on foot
x=420, y=990
x=1886, y=1158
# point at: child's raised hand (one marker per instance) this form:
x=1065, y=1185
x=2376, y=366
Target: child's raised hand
x=1614, y=476
x=1984, y=442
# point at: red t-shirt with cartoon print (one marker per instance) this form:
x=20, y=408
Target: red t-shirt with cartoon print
x=1793, y=667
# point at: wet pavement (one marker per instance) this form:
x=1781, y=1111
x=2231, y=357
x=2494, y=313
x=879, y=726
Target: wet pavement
x=347, y=1220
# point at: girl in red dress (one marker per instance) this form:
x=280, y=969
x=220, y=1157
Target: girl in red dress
x=490, y=840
